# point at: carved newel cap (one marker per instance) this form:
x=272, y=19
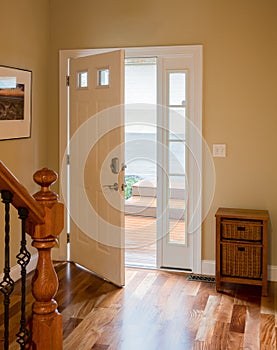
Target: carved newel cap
x=45, y=178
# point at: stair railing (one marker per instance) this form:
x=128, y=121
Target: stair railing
x=42, y=217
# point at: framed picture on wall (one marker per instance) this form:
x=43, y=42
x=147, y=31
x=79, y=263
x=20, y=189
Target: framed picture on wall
x=15, y=103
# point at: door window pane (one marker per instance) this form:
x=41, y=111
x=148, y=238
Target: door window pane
x=177, y=89
x=103, y=77
x=177, y=123
x=178, y=187
x=177, y=157
x=83, y=79
x=177, y=209
x=177, y=233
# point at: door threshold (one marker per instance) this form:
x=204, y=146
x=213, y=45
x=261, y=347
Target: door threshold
x=152, y=267
x=141, y=266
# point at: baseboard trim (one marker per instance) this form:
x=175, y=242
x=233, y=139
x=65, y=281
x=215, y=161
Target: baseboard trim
x=208, y=268
x=272, y=273
x=16, y=270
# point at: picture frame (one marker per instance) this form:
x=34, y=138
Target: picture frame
x=15, y=103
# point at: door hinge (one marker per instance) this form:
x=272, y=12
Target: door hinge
x=68, y=238
x=67, y=159
x=67, y=80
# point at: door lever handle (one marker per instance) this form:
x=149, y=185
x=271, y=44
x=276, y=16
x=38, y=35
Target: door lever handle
x=123, y=166
x=115, y=165
x=113, y=187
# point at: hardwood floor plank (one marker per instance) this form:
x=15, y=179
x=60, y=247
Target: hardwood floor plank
x=268, y=331
x=205, y=290
x=225, y=308
x=220, y=335
x=275, y=302
x=234, y=341
x=238, y=319
x=198, y=345
x=252, y=327
x=268, y=303
x=191, y=287
x=89, y=330
x=145, y=285
x=208, y=321
x=100, y=347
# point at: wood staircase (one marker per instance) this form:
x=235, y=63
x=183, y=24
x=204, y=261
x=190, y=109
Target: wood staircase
x=44, y=223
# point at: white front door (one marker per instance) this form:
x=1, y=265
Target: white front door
x=182, y=250
x=96, y=152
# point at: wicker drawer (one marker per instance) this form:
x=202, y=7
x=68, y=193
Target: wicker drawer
x=244, y=230
x=240, y=260
x=241, y=247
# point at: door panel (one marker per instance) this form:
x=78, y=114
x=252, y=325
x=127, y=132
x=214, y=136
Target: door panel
x=96, y=98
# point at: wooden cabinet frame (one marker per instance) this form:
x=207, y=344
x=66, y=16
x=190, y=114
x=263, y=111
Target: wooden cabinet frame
x=250, y=240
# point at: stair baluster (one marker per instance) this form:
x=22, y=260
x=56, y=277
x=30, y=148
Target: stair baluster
x=7, y=285
x=23, y=259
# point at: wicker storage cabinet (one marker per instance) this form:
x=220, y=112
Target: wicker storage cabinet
x=241, y=247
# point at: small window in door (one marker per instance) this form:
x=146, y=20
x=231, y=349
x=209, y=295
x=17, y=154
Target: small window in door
x=103, y=77
x=177, y=159
x=82, y=80
x=177, y=88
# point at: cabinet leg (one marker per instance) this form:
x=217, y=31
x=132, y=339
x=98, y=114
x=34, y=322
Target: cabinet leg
x=264, y=289
x=218, y=286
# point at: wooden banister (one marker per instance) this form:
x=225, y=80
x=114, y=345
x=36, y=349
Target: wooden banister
x=44, y=224
x=47, y=322
x=21, y=197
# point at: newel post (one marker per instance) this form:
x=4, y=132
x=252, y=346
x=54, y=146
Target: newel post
x=46, y=322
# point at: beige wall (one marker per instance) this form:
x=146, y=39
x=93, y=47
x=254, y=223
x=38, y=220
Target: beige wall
x=240, y=75
x=24, y=44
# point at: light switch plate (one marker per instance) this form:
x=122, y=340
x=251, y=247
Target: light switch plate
x=219, y=150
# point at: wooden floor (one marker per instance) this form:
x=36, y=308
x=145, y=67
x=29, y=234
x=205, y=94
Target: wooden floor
x=159, y=310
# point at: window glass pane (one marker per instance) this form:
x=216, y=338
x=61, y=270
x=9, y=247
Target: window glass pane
x=83, y=79
x=177, y=209
x=177, y=123
x=103, y=77
x=177, y=89
x=177, y=232
x=177, y=157
x=141, y=80
x=177, y=187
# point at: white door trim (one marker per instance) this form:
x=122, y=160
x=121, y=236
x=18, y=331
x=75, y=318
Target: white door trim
x=195, y=51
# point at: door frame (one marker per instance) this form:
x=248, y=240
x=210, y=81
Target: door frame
x=195, y=51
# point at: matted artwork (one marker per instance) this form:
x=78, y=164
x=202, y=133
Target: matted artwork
x=15, y=103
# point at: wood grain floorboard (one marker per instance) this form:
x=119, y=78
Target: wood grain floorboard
x=156, y=310
x=238, y=319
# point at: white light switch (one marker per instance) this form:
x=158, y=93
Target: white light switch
x=219, y=150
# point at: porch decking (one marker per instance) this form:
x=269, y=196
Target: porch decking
x=140, y=239
x=140, y=222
